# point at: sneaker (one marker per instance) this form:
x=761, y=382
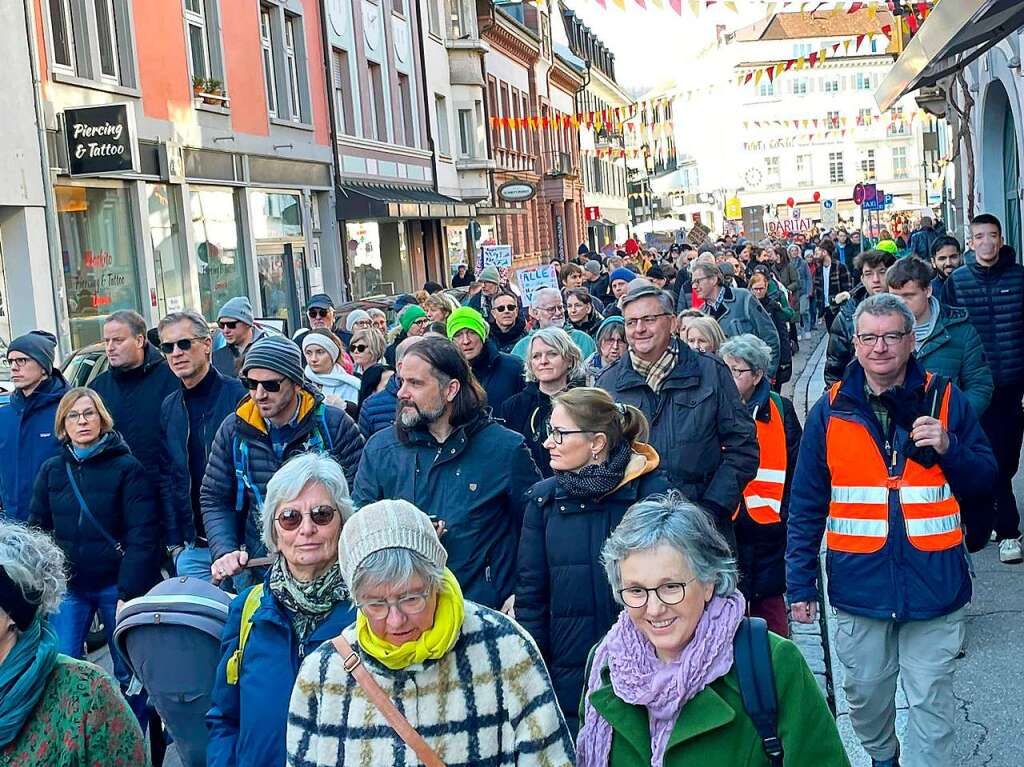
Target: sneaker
x=1010, y=551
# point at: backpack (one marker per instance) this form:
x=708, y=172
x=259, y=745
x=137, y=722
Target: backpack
x=753, y=664
x=249, y=607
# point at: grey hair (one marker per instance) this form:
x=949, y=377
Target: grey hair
x=883, y=305
x=562, y=343
x=289, y=481
x=750, y=349
x=547, y=293
x=405, y=345
x=709, y=270
x=373, y=311
x=200, y=327
x=131, y=319
x=395, y=566
x=34, y=562
x=672, y=520
x=640, y=288
x=612, y=328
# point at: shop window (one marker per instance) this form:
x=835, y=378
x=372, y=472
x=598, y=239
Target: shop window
x=172, y=293
x=344, y=108
x=444, y=143
x=99, y=256
x=220, y=260
x=281, y=255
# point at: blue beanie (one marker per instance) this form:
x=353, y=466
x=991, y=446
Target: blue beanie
x=622, y=273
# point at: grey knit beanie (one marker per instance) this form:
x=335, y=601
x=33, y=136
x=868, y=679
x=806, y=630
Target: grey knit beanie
x=237, y=308
x=38, y=345
x=275, y=353
x=593, y=266
x=387, y=524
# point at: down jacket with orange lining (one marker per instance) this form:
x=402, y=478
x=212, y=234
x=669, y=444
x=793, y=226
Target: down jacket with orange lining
x=562, y=594
x=898, y=582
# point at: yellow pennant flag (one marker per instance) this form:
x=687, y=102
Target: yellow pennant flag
x=757, y=76
x=657, y=4
x=695, y=7
x=801, y=63
x=779, y=68
x=872, y=11
x=731, y=5
x=846, y=47
x=621, y=4
x=771, y=9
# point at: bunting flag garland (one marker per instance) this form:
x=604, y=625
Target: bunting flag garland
x=616, y=118
x=918, y=11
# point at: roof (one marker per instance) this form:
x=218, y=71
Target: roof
x=794, y=26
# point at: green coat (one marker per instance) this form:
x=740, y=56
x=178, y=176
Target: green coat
x=954, y=350
x=713, y=728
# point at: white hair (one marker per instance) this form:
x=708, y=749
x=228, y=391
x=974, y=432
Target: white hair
x=289, y=481
x=34, y=562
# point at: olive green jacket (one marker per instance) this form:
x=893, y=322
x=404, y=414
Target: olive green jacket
x=713, y=728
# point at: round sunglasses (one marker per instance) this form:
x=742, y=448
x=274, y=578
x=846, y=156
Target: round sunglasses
x=291, y=519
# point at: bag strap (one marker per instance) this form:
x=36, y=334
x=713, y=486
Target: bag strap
x=753, y=662
x=354, y=665
x=249, y=607
x=88, y=514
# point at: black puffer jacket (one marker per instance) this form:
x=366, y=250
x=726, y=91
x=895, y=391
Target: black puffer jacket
x=499, y=373
x=506, y=339
x=115, y=489
x=994, y=299
x=527, y=413
x=228, y=529
x=133, y=398
x=562, y=594
x=840, y=337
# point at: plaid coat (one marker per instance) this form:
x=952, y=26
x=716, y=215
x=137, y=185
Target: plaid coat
x=487, y=703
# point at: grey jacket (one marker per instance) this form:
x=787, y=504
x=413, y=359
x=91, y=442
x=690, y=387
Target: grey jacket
x=738, y=313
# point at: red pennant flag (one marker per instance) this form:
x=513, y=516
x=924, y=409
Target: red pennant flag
x=912, y=23
x=789, y=64
x=748, y=78
x=835, y=48
x=677, y=6
x=887, y=30
x=770, y=71
x=641, y=4
x=854, y=7
x=860, y=40
x=813, y=59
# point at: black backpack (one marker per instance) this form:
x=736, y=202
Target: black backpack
x=753, y=663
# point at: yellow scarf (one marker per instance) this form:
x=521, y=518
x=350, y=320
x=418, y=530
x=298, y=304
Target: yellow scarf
x=432, y=643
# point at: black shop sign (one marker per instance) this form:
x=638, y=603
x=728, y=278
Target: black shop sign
x=101, y=139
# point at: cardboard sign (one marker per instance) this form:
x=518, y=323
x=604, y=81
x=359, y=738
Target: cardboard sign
x=753, y=222
x=699, y=234
x=532, y=280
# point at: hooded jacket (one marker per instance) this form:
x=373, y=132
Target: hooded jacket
x=499, y=373
x=739, y=312
x=227, y=528
x=954, y=350
x=26, y=442
x=562, y=594
x=994, y=299
x=133, y=398
x=475, y=481
x=120, y=497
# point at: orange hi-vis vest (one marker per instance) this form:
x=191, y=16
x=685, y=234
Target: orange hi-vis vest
x=763, y=495
x=858, y=513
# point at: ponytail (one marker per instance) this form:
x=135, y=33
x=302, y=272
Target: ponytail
x=634, y=424
x=594, y=410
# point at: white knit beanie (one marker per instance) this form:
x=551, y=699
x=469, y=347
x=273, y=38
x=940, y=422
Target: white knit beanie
x=387, y=524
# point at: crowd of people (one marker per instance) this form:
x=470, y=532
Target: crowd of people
x=529, y=532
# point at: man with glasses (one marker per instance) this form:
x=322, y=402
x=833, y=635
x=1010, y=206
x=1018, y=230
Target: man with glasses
x=134, y=387
x=320, y=312
x=500, y=374
x=238, y=326
x=189, y=420
x=26, y=422
x=547, y=311
x=281, y=417
x=885, y=454
x=698, y=423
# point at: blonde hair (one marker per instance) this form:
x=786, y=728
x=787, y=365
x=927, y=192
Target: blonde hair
x=373, y=339
x=441, y=301
x=561, y=342
x=709, y=328
x=68, y=401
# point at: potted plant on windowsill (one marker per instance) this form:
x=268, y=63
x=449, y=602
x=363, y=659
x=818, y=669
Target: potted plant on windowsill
x=213, y=92
x=198, y=86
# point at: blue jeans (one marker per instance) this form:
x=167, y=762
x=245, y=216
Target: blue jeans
x=194, y=562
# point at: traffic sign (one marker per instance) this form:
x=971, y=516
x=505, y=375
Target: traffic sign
x=829, y=214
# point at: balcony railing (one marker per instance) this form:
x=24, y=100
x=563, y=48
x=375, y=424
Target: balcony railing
x=558, y=164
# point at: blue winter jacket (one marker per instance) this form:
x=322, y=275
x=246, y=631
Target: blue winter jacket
x=476, y=481
x=898, y=582
x=500, y=374
x=27, y=442
x=248, y=721
x=378, y=410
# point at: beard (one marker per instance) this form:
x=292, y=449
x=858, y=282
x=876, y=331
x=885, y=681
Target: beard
x=411, y=416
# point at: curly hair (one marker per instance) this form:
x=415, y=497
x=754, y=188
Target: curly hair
x=35, y=563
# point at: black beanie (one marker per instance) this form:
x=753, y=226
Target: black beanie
x=37, y=345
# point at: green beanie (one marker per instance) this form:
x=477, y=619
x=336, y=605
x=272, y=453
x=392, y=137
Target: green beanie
x=889, y=246
x=409, y=315
x=467, y=317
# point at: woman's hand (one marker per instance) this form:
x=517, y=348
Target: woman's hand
x=804, y=612
x=228, y=565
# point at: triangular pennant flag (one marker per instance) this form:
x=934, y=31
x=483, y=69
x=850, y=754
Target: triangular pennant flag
x=846, y=47
x=887, y=30
x=860, y=40
x=812, y=60
x=835, y=48
x=757, y=76
x=677, y=6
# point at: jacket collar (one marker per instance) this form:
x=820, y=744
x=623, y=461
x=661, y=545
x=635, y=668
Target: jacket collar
x=458, y=439
x=249, y=413
x=684, y=375
x=487, y=357
x=150, y=360
x=851, y=390
x=759, y=401
x=49, y=392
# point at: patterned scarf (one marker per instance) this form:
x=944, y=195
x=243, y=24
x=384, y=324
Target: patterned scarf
x=597, y=479
x=639, y=677
x=308, y=603
x=656, y=372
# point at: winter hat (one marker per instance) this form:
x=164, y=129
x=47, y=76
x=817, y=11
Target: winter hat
x=614, y=319
x=237, y=308
x=319, y=338
x=656, y=272
x=490, y=274
x=594, y=267
x=320, y=301
x=583, y=249
x=388, y=524
x=409, y=315
x=403, y=301
x=622, y=273
x=889, y=246
x=37, y=345
x=467, y=317
x=354, y=317
x=275, y=353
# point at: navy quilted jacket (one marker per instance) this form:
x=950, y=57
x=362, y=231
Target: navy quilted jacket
x=378, y=410
x=994, y=298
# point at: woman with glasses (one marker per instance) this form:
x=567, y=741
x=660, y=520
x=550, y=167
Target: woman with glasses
x=662, y=686
x=506, y=320
x=601, y=467
x=583, y=315
x=553, y=364
x=467, y=679
x=367, y=350
x=611, y=345
x=763, y=287
x=439, y=307
x=704, y=334
x=322, y=350
x=301, y=603
x=760, y=521
x=96, y=501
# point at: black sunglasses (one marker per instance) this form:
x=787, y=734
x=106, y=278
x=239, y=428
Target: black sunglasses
x=291, y=519
x=228, y=325
x=508, y=308
x=272, y=386
x=318, y=312
x=167, y=347
x=359, y=348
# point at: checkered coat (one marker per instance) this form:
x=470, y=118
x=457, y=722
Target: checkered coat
x=487, y=703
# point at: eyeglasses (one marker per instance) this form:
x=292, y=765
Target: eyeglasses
x=362, y=324
x=557, y=435
x=556, y=309
x=870, y=339
x=359, y=348
x=316, y=312
x=506, y=308
x=409, y=604
x=85, y=415
x=167, y=347
x=421, y=321
x=669, y=593
x=228, y=325
x=291, y=519
x=272, y=386
x=740, y=371
x=17, y=362
x=613, y=342
x=648, y=319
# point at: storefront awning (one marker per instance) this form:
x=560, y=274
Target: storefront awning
x=357, y=202
x=955, y=34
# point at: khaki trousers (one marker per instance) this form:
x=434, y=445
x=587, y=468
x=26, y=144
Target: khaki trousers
x=922, y=653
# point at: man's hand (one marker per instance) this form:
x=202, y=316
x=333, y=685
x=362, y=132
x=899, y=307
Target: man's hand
x=804, y=612
x=928, y=432
x=228, y=565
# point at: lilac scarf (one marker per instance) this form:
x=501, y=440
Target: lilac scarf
x=640, y=678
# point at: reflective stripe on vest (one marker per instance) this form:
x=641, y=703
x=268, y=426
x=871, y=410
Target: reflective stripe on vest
x=858, y=521
x=763, y=495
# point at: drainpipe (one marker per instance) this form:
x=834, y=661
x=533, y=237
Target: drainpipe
x=60, y=306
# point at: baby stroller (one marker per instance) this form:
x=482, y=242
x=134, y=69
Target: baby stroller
x=170, y=638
